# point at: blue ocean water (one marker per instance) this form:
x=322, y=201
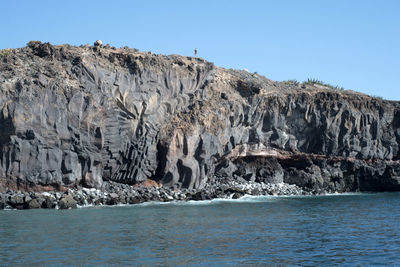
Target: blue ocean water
x=353, y=229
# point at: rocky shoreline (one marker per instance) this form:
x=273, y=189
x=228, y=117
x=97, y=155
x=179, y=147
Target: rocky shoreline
x=112, y=193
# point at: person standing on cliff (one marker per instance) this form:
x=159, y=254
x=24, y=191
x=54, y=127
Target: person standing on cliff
x=195, y=52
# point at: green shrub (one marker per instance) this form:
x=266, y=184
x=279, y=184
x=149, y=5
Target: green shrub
x=5, y=52
x=292, y=82
x=33, y=43
x=377, y=97
x=312, y=81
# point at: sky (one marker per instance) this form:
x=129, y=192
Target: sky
x=352, y=44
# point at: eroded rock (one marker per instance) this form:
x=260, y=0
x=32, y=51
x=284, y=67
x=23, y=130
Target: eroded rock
x=79, y=116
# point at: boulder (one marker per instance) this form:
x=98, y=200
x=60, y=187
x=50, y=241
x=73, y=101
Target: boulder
x=34, y=204
x=17, y=201
x=67, y=202
x=98, y=43
x=236, y=195
x=48, y=202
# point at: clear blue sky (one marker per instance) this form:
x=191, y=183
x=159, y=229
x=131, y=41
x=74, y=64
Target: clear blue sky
x=354, y=44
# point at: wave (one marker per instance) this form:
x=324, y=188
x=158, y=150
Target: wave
x=216, y=201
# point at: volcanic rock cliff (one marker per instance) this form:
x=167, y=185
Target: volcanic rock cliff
x=72, y=116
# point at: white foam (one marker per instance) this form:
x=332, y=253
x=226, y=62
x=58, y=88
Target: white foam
x=216, y=201
x=245, y=198
x=346, y=194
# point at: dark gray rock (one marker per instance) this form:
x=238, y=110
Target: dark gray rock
x=3, y=199
x=79, y=116
x=48, y=202
x=236, y=195
x=258, y=169
x=67, y=202
x=34, y=204
x=113, y=198
x=17, y=201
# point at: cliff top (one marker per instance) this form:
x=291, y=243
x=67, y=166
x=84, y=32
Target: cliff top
x=55, y=61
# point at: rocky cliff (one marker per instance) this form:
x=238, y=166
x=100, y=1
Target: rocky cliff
x=73, y=116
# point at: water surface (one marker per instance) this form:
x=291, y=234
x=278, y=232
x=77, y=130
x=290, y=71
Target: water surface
x=321, y=230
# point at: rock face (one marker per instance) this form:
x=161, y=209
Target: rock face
x=72, y=116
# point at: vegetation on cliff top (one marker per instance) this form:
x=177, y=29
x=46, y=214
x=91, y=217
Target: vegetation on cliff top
x=313, y=82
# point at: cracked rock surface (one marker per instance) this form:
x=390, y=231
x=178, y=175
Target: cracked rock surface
x=78, y=116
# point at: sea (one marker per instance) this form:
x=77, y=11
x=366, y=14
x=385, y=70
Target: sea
x=332, y=230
